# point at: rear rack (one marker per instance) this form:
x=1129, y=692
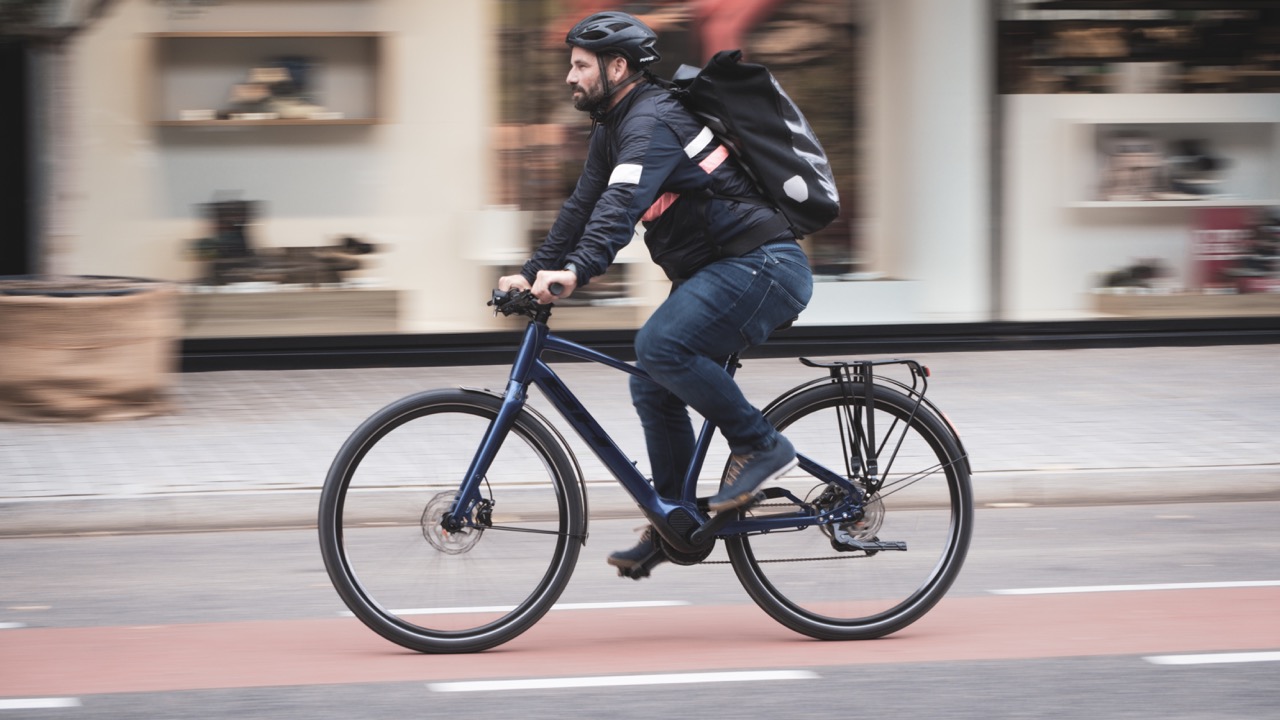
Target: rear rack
x=861, y=374
x=859, y=369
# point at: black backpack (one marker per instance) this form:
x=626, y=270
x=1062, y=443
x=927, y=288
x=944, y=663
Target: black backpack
x=752, y=115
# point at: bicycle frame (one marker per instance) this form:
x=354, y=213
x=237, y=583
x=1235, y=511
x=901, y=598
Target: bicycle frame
x=529, y=368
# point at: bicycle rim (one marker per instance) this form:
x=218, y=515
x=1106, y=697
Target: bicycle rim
x=419, y=586
x=809, y=585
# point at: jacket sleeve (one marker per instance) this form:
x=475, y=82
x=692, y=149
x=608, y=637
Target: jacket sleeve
x=648, y=153
x=574, y=214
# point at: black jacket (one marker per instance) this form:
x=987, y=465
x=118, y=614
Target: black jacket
x=650, y=159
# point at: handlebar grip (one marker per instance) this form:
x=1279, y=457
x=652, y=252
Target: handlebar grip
x=556, y=288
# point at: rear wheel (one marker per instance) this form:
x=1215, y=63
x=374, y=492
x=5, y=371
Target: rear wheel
x=841, y=581
x=408, y=579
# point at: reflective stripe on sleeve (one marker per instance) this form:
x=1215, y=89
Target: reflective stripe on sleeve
x=626, y=173
x=699, y=143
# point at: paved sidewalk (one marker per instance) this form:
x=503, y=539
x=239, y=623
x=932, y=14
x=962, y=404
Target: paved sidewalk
x=250, y=449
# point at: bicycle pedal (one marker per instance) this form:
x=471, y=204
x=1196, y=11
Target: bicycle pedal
x=843, y=542
x=639, y=572
x=768, y=491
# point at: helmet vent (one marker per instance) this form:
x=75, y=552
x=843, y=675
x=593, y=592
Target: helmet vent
x=616, y=33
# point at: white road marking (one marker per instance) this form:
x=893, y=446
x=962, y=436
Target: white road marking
x=557, y=606
x=38, y=703
x=1214, y=659
x=11, y=625
x=621, y=681
x=1132, y=588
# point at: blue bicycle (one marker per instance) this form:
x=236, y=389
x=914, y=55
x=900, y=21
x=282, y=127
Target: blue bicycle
x=451, y=520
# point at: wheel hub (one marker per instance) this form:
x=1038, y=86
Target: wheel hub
x=451, y=542
x=865, y=525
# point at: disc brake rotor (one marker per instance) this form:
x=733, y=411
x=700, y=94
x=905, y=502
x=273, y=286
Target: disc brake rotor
x=451, y=543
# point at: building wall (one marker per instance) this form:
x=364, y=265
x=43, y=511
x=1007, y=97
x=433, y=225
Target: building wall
x=931, y=182
x=411, y=184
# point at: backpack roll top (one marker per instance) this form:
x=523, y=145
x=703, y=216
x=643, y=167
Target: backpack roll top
x=750, y=113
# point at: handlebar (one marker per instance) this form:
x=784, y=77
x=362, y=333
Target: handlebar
x=519, y=302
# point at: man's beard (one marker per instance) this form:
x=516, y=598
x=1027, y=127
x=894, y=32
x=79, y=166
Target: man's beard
x=589, y=100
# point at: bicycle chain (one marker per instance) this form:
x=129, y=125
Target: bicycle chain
x=788, y=560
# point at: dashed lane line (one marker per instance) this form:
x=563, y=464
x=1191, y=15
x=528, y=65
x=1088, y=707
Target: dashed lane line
x=1214, y=658
x=558, y=606
x=1133, y=588
x=621, y=681
x=49, y=703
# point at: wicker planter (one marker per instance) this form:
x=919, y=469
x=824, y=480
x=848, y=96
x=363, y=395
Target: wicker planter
x=86, y=348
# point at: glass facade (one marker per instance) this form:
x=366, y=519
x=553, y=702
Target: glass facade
x=372, y=166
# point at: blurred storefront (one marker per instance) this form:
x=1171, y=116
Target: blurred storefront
x=348, y=167
x=1141, y=174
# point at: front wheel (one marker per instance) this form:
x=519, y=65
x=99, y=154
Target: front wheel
x=407, y=578
x=879, y=572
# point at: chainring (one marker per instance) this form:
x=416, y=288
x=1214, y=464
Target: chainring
x=684, y=558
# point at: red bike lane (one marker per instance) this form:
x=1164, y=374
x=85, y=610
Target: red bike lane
x=92, y=660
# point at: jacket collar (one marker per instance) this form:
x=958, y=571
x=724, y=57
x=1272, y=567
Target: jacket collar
x=619, y=111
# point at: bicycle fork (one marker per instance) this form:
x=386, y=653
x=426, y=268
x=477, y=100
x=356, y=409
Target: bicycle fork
x=512, y=405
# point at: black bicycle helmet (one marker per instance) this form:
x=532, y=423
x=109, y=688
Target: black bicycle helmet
x=616, y=32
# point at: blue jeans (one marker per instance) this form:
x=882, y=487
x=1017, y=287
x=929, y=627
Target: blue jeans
x=726, y=307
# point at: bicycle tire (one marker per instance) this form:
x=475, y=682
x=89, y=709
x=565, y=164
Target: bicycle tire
x=839, y=594
x=407, y=579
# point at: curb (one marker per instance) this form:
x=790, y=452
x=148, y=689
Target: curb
x=283, y=509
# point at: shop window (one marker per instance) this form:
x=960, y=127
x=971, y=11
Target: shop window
x=1077, y=46
x=1127, y=192
x=812, y=47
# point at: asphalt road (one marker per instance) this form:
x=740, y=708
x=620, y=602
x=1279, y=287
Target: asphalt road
x=1132, y=611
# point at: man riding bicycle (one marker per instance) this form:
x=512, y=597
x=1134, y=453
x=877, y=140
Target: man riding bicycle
x=737, y=271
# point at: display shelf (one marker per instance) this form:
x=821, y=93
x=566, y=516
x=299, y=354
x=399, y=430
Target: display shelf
x=296, y=122
x=1250, y=149
x=1175, y=305
x=1220, y=202
x=313, y=311
x=1062, y=237
x=1114, y=46
x=195, y=72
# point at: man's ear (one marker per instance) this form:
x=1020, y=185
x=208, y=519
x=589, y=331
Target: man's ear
x=617, y=68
